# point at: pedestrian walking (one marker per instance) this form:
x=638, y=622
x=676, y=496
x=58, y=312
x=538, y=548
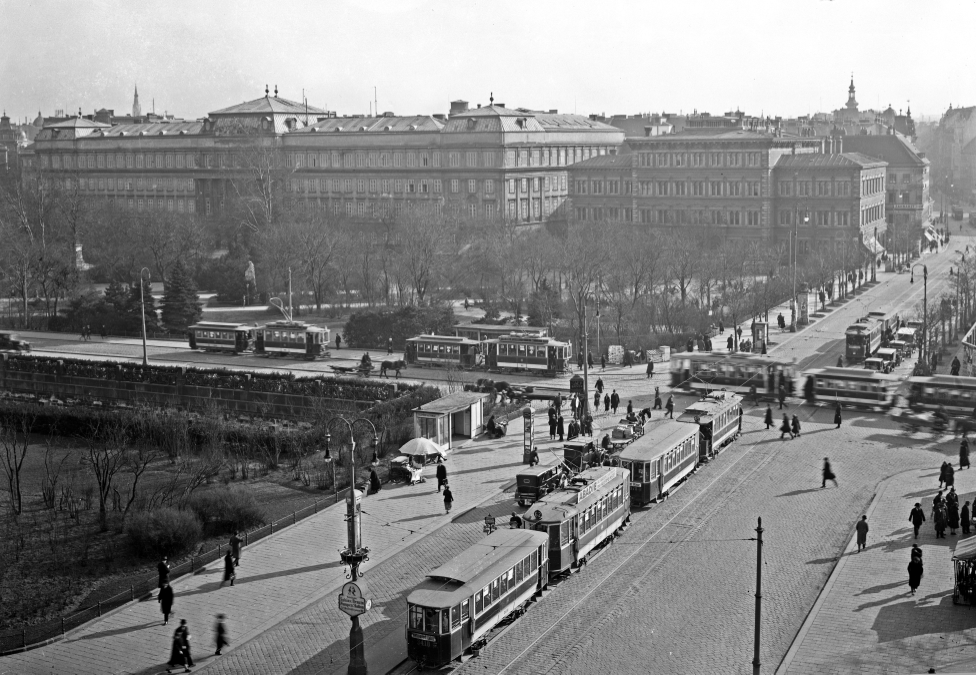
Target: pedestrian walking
x=448, y=498
x=166, y=602
x=785, y=428
x=669, y=406
x=560, y=428
x=589, y=360
x=657, y=398
x=179, y=655
x=338, y=341
x=950, y=475
x=915, y=572
x=236, y=542
x=738, y=332
x=940, y=518
x=229, y=574
x=599, y=385
x=721, y=327
x=441, y=473
x=954, y=366
x=220, y=634
x=964, y=453
x=614, y=401
x=603, y=361
x=729, y=343
x=837, y=416
x=740, y=419
x=952, y=497
x=942, y=474
x=828, y=474
x=916, y=517
x=795, y=426
x=965, y=518
x=862, y=533
x=782, y=397
x=606, y=403
x=650, y=368
x=374, y=481
x=552, y=428
x=768, y=419
x=534, y=457
x=753, y=394
x=596, y=401
x=163, y=569
x=952, y=517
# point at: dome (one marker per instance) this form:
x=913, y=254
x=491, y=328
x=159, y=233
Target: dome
x=39, y=120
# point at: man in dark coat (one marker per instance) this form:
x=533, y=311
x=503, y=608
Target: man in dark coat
x=614, y=401
x=534, y=457
x=954, y=367
x=630, y=408
x=940, y=516
x=338, y=341
x=603, y=362
x=606, y=403
x=552, y=427
x=916, y=517
x=441, y=473
x=729, y=343
x=964, y=453
x=374, y=481
x=166, y=602
x=596, y=401
x=862, y=533
x=828, y=474
x=795, y=426
x=235, y=547
x=950, y=475
x=229, y=574
x=599, y=385
x=669, y=406
x=785, y=428
x=952, y=516
x=782, y=396
x=589, y=359
x=768, y=419
x=178, y=655
x=942, y=473
x=840, y=361
x=657, y=398
x=449, y=498
x=220, y=634
x=560, y=428
x=650, y=368
x=837, y=416
x=915, y=571
x=163, y=569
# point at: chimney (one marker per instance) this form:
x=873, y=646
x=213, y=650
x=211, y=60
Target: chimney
x=458, y=107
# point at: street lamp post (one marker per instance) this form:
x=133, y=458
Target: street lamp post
x=353, y=599
x=925, y=308
x=874, y=260
x=142, y=301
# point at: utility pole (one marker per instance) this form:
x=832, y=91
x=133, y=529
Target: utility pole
x=290, y=313
x=755, y=648
x=585, y=399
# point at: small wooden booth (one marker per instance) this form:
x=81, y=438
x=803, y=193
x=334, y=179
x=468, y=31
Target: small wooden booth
x=461, y=414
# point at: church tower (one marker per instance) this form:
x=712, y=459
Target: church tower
x=851, y=101
x=137, y=109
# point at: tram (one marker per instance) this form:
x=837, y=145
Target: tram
x=664, y=456
x=851, y=386
x=463, y=599
x=444, y=350
x=292, y=338
x=863, y=338
x=957, y=394
x=539, y=355
x=705, y=371
x=484, y=331
x=582, y=516
x=217, y=336
x=717, y=417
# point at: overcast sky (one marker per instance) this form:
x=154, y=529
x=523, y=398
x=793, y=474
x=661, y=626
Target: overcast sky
x=781, y=57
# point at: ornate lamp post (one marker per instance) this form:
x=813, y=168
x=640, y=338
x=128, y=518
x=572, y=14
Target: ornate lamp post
x=353, y=600
x=925, y=308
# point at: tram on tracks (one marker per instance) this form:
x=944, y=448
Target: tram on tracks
x=660, y=460
x=292, y=338
x=463, y=599
x=868, y=334
x=444, y=350
x=217, y=336
x=485, y=331
x=706, y=371
x=856, y=387
x=717, y=415
x=955, y=393
x=526, y=353
x=582, y=516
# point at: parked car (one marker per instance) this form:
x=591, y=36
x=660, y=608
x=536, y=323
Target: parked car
x=12, y=342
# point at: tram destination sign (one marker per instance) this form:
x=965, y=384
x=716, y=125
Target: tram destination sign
x=589, y=489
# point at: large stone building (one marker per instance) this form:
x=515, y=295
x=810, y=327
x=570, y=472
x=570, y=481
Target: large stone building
x=486, y=162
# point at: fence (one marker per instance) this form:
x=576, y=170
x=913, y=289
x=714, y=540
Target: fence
x=29, y=636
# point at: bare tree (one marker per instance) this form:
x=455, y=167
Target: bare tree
x=14, y=442
x=106, y=455
x=425, y=235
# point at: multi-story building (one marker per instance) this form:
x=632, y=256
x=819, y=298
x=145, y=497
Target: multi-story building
x=955, y=170
x=486, y=162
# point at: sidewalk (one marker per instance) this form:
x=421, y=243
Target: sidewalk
x=865, y=619
x=288, y=571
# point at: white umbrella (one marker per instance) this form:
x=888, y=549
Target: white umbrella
x=421, y=446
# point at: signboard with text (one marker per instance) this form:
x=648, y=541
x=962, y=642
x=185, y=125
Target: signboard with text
x=352, y=599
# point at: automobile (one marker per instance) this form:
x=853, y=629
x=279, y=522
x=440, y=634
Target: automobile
x=903, y=348
x=909, y=335
x=874, y=363
x=890, y=356
x=12, y=342
x=535, y=482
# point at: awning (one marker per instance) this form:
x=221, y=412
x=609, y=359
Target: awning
x=928, y=235
x=873, y=246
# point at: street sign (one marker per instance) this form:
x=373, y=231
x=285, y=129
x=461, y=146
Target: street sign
x=352, y=600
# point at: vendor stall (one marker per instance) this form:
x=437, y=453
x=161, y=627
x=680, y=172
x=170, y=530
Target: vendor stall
x=461, y=414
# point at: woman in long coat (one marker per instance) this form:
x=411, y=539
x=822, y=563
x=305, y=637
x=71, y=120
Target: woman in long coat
x=560, y=427
x=177, y=654
x=796, y=426
x=374, y=481
x=939, y=518
x=942, y=474
x=915, y=573
x=768, y=419
x=166, y=602
x=228, y=570
x=950, y=475
x=785, y=427
x=837, y=416
x=964, y=453
x=953, y=517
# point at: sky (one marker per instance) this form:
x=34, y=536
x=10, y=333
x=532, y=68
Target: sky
x=777, y=57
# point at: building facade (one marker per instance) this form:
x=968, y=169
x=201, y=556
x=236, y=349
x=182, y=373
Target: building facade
x=487, y=162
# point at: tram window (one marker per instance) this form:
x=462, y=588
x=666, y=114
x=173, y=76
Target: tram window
x=416, y=617
x=564, y=532
x=455, y=616
x=519, y=571
x=494, y=590
x=638, y=472
x=446, y=620
x=503, y=583
x=464, y=610
x=479, y=602
x=603, y=508
x=431, y=620
x=535, y=560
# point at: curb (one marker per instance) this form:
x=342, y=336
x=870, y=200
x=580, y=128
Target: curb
x=787, y=661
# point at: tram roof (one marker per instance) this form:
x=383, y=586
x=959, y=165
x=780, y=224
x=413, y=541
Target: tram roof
x=560, y=504
x=453, y=339
x=733, y=358
x=464, y=575
x=948, y=380
x=657, y=440
x=295, y=325
x=499, y=327
x=529, y=339
x=851, y=373
x=221, y=325
x=713, y=403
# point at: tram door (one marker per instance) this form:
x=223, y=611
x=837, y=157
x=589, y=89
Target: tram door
x=457, y=640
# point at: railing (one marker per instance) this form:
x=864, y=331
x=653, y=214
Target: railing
x=30, y=636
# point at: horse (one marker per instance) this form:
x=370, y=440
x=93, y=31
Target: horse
x=392, y=365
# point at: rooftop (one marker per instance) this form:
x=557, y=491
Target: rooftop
x=891, y=148
x=623, y=162
x=453, y=402
x=820, y=160
x=375, y=124
x=270, y=105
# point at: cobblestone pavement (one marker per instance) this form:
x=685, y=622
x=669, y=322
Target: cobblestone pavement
x=674, y=593
x=866, y=620
x=296, y=568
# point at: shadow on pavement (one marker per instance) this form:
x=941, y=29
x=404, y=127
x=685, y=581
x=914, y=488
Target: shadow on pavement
x=117, y=631
x=910, y=619
x=799, y=492
x=241, y=580
x=882, y=587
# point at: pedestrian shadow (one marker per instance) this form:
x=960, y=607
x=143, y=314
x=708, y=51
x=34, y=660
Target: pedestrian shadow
x=242, y=581
x=422, y=517
x=823, y=561
x=882, y=587
x=883, y=601
x=910, y=619
x=487, y=468
x=799, y=492
x=116, y=631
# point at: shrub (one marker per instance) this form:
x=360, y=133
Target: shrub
x=226, y=510
x=374, y=328
x=165, y=531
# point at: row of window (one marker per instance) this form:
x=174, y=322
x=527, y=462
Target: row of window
x=604, y=213
x=154, y=204
x=379, y=209
x=592, y=516
x=872, y=213
x=377, y=186
x=818, y=218
x=602, y=187
x=506, y=581
x=152, y=184
x=872, y=186
x=284, y=336
x=699, y=188
x=815, y=188
x=906, y=178
x=214, y=335
x=537, y=184
x=949, y=394
x=699, y=159
x=699, y=217
x=438, y=620
x=535, y=208
x=849, y=385
x=104, y=160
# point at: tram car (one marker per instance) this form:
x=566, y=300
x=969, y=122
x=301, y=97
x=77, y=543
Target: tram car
x=955, y=393
x=460, y=601
x=216, y=336
x=444, y=350
x=660, y=460
x=858, y=387
x=292, y=338
x=717, y=417
x=863, y=338
x=486, y=331
x=705, y=372
x=538, y=355
x=582, y=516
